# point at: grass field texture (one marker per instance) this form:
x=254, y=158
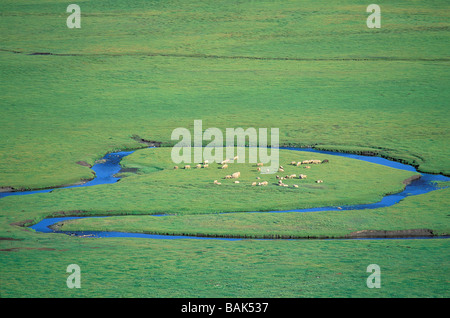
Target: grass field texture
x=143, y=68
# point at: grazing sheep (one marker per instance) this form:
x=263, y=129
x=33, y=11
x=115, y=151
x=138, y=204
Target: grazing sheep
x=293, y=176
x=281, y=167
x=319, y=181
x=205, y=162
x=236, y=158
x=260, y=164
x=302, y=176
x=278, y=177
x=295, y=186
x=187, y=167
x=280, y=170
x=198, y=166
x=325, y=161
x=307, y=167
x=228, y=177
x=236, y=175
x=215, y=182
x=264, y=183
x=224, y=166
x=258, y=169
x=299, y=163
x=294, y=163
x=254, y=183
x=176, y=167
x=236, y=181
x=316, y=162
x=225, y=161
x=205, y=165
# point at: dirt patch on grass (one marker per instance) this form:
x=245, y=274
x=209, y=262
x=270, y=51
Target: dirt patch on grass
x=22, y=223
x=68, y=213
x=411, y=179
x=9, y=239
x=150, y=143
x=6, y=189
x=13, y=249
x=84, y=164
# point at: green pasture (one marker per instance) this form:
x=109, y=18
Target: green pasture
x=210, y=268
x=139, y=70
x=157, y=188
x=418, y=212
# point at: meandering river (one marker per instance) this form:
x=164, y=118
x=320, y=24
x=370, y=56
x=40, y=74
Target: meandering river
x=106, y=170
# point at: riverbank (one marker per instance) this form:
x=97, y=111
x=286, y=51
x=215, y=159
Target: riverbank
x=413, y=185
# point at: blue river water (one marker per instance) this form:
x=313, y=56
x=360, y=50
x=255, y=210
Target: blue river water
x=105, y=171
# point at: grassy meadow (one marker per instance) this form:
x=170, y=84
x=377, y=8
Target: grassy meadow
x=143, y=68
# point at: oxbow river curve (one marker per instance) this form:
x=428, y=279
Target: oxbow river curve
x=106, y=170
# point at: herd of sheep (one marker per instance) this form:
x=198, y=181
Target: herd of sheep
x=236, y=175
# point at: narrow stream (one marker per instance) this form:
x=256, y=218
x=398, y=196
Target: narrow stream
x=105, y=171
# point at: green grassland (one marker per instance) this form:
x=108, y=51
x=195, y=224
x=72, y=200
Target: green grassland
x=157, y=188
x=199, y=268
x=135, y=71
x=413, y=213
x=143, y=68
